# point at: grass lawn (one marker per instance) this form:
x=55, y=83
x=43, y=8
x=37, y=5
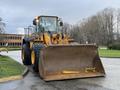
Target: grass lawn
x=9, y=67
x=109, y=53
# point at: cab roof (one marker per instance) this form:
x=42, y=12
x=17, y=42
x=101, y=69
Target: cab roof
x=46, y=16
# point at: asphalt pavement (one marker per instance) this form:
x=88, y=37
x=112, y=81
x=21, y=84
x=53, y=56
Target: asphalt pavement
x=33, y=82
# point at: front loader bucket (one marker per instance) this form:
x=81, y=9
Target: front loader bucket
x=60, y=62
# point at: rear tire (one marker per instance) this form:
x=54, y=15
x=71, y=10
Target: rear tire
x=26, y=54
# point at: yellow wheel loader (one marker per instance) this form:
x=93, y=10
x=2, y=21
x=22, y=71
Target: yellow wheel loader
x=50, y=51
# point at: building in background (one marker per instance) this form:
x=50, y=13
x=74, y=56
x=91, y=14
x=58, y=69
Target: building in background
x=11, y=40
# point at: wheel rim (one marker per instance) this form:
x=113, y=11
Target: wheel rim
x=33, y=57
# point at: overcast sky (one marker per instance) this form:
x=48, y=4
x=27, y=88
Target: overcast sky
x=18, y=14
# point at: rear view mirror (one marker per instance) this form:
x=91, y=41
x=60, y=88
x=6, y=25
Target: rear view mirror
x=34, y=22
x=61, y=23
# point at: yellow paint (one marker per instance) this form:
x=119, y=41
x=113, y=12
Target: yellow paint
x=33, y=56
x=31, y=43
x=90, y=69
x=4, y=49
x=41, y=38
x=47, y=39
x=70, y=72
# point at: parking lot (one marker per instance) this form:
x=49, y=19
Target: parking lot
x=32, y=80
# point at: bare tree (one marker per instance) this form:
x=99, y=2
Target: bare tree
x=66, y=28
x=96, y=29
x=109, y=19
x=2, y=26
x=117, y=33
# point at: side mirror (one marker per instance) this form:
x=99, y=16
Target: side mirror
x=61, y=23
x=34, y=22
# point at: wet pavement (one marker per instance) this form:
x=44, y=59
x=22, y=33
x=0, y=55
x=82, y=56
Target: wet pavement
x=33, y=82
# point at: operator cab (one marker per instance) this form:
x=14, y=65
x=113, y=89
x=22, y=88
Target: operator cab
x=47, y=24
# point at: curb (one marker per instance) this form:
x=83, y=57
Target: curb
x=108, y=57
x=17, y=77
x=11, y=78
x=25, y=72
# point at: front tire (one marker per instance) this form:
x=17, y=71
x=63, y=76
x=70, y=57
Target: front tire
x=37, y=49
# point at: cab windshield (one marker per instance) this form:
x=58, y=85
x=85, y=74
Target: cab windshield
x=48, y=23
